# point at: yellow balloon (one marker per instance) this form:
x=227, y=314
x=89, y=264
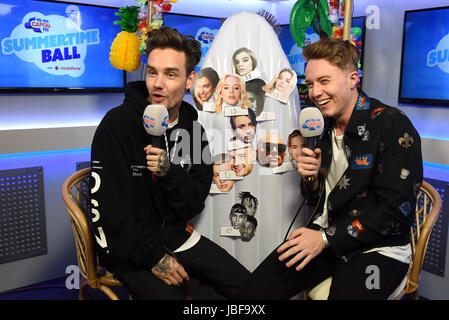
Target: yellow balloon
x=173, y=1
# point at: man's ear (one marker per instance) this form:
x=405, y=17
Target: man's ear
x=190, y=80
x=353, y=79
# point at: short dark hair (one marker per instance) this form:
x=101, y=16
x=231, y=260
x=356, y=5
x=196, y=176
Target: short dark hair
x=167, y=37
x=238, y=207
x=295, y=133
x=252, y=220
x=251, y=115
x=247, y=194
x=340, y=53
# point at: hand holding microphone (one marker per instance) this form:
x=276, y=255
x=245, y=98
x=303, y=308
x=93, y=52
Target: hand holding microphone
x=311, y=124
x=155, y=122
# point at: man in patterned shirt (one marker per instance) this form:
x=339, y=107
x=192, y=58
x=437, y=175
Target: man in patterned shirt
x=366, y=170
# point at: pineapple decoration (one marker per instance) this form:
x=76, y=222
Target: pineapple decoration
x=125, y=53
x=129, y=45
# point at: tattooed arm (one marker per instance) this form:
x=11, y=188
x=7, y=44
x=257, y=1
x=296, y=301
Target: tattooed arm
x=170, y=271
x=157, y=161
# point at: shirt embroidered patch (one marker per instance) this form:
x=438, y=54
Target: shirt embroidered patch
x=362, y=103
x=343, y=183
x=376, y=112
x=405, y=208
x=404, y=173
x=364, y=161
x=354, y=213
x=355, y=229
x=406, y=141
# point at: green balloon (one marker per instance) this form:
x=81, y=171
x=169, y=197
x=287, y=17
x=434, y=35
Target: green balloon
x=356, y=31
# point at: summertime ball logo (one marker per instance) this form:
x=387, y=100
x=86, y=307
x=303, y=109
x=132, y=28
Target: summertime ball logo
x=440, y=56
x=55, y=44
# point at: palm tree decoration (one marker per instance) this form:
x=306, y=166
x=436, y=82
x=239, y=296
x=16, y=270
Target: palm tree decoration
x=312, y=13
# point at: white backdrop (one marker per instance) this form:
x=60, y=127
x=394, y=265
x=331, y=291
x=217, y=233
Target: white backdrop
x=278, y=194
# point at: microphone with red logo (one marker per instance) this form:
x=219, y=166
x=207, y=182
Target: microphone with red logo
x=311, y=125
x=155, y=119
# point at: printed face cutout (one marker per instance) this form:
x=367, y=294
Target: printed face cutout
x=256, y=95
x=295, y=143
x=244, y=127
x=243, y=61
x=271, y=150
x=242, y=161
x=203, y=89
x=282, y=85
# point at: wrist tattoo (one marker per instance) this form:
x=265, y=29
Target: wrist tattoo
x=163, y=164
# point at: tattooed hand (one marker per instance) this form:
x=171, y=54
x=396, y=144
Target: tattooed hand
x=157, y=160
x=170, y=271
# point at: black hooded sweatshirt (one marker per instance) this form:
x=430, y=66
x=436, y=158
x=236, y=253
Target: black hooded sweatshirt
x=138, y=217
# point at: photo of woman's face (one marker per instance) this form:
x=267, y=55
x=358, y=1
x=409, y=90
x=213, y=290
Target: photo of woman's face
x=283, y=81
x=243, y=63
x=231, y=90
x=203, y=89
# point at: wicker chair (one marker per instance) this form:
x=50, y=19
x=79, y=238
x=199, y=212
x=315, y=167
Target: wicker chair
x=428, y=206
x=75, y=193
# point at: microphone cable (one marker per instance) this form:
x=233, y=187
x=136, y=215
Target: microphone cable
x=291, y=224
x=300, y=207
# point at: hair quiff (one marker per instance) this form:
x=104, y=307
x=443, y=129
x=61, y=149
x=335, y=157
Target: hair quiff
x=340, y=53
x=171, y=38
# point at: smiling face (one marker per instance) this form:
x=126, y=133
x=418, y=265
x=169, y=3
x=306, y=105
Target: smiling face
x=332, y=89
x=243, y=63
x=203, y=89
x=231, y=90
x=242, y=161
x=283, y=81
x=223, y=185
x=167, y=79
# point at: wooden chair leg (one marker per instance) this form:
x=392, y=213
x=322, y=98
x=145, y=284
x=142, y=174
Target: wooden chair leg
x=83, y=289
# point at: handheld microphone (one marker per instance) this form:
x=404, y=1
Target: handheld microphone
x=155, y=119
x=311, y=125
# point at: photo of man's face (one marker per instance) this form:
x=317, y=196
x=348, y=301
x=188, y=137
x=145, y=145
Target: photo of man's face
x=242, y=161
x=247, y=230
x=245, y=129
x=238, y=217
x=223, y=185
x=296, y=143
x=250, y=206
x=271, y=151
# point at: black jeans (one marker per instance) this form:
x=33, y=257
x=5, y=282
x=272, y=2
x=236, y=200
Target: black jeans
x=206, y=261
x=364, y=276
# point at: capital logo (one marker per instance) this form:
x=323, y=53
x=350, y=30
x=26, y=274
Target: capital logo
x=206, y=36
x=440, y=55
x=38, y=25
x=313, y=124
x=148, y=122
x=165, y=122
